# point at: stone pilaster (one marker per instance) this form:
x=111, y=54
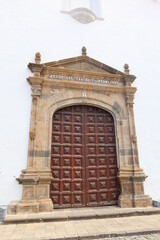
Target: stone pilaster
x=36, y=182
x=132, y=178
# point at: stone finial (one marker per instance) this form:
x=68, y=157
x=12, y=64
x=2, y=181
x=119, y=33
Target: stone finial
x=37, y=58
x=84, y=51
x=126, y=68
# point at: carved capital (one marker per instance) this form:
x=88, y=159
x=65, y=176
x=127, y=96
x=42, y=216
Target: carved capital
x=130, y=99
x=36, y=90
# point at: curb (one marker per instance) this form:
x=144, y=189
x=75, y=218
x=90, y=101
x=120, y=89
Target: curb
x=10, y=219
x=109, y=235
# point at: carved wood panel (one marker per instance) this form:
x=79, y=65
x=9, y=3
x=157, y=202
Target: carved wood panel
x=83, y=158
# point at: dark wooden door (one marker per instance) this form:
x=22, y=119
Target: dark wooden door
x=83, y=158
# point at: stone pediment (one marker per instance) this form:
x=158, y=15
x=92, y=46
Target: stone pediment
x=79, y=70
x=83, y=63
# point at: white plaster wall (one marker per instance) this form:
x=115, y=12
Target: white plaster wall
x=130, y=33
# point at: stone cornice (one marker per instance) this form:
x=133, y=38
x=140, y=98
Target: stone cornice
x=35, y=80
x=34, y=67
x=129, y=79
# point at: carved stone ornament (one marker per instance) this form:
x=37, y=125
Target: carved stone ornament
x=134, y=138
x=38, y=58
x=130, y=98
x=32, y=135
x=129, y=79
x=36, y=90
x=126, y=68
x=84, y=51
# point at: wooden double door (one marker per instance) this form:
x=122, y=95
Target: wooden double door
x=83, y=158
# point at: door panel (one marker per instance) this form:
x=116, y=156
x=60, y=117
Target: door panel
x=83, y=159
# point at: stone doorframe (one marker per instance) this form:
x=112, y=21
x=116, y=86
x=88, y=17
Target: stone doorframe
x=54, y=86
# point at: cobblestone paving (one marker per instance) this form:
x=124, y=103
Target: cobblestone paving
x=137, y=237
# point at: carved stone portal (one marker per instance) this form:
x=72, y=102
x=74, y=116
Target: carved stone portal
x=79, y=81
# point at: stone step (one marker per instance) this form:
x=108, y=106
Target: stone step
x=81, y=214
x=104, y=228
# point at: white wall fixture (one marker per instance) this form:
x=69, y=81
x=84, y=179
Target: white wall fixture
x=83, y=15
x=84, y=11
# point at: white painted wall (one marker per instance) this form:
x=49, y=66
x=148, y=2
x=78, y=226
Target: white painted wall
x=130, y=33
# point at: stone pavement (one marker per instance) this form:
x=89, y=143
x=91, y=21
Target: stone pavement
x=102, y=228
